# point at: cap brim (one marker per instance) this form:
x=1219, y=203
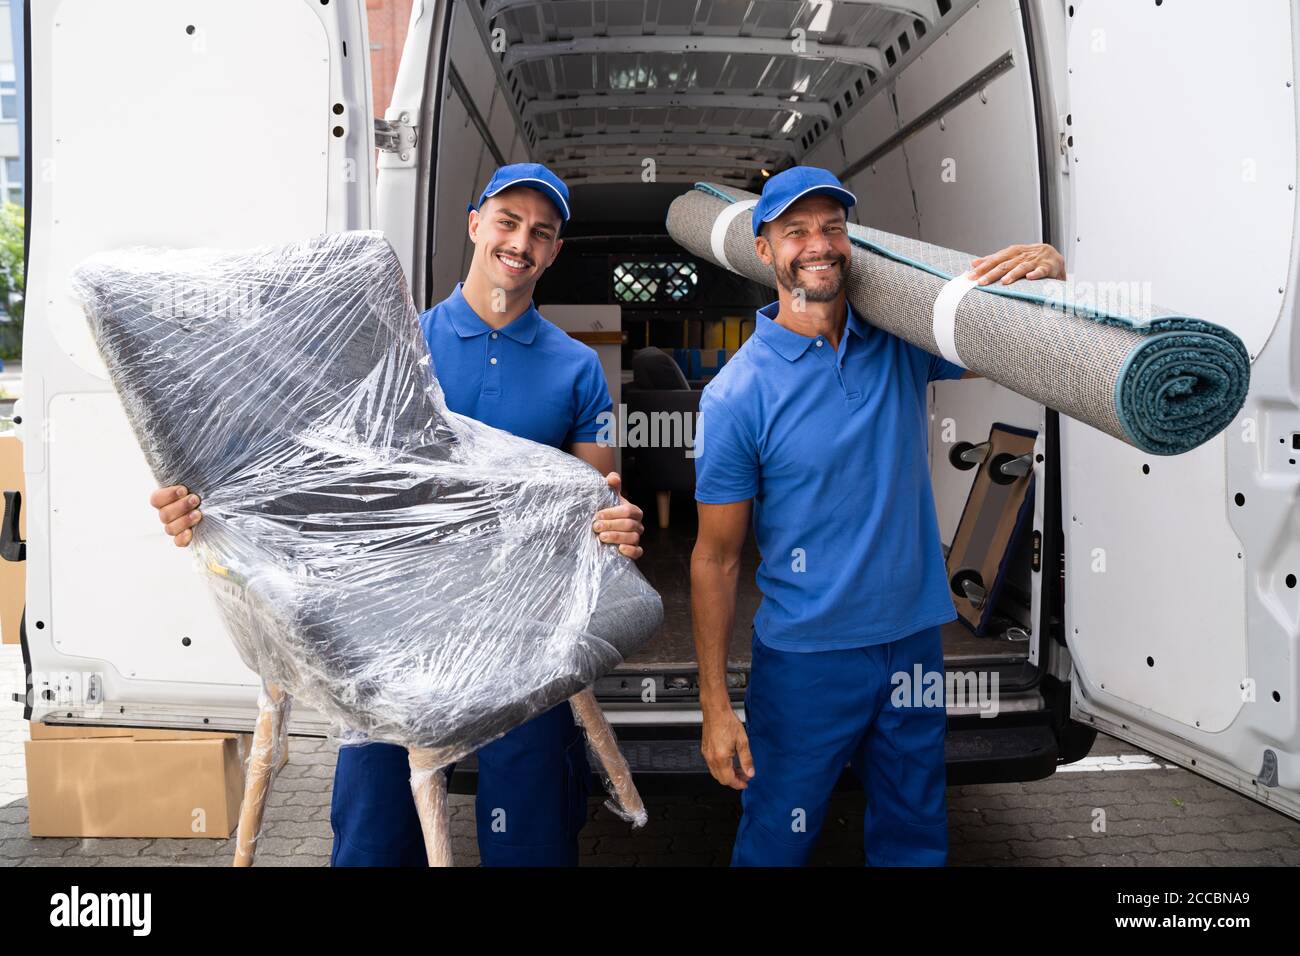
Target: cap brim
x=541, y=185
x=839, y=192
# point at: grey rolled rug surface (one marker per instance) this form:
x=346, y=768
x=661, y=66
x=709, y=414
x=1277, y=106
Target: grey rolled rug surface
x=1158, y=380
x=416, y=576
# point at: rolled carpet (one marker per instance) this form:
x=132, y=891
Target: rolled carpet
x=1158, y=380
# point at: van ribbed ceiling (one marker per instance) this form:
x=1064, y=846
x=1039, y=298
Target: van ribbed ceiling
x=707, y=88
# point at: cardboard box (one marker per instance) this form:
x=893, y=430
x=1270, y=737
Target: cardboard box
x=47, y=732
x=13, y=575
x=122, y=787
x=69, y=732
x=155, y=733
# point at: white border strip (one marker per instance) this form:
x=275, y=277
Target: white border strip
x=945, y=316
x=718, y=239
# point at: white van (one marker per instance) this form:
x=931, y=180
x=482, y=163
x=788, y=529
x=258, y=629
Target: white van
x=1154, y=598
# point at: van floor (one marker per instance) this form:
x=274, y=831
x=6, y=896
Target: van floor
x=666, y=564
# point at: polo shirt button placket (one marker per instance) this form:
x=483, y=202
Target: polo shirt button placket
x=492, y=379
x=851, y=395
x=827, y=356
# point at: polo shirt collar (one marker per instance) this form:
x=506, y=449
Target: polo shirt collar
x=855, y=323
x=787, y=344
x=467, y=323
x=791, y=345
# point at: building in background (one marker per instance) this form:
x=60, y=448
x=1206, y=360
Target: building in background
x=387, y=21
x=12, y=188
x=11, y=104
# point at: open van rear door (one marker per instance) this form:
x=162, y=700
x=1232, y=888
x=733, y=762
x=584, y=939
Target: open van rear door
x=1182, y=608
x=162, y=123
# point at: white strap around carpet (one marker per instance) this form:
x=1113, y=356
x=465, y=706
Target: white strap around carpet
x=718, y=240
x=945, y=316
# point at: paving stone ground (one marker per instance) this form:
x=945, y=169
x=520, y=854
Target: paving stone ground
x=1156, y=815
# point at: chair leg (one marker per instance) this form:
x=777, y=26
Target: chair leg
x=263, y=763
x=429, y=787
x=663, y=499
x=600, y=735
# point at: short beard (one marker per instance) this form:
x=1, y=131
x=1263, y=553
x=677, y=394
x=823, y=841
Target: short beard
x=786, y=280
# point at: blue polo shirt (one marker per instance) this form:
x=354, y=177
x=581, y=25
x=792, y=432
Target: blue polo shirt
x=831, y=446
x=529, y=378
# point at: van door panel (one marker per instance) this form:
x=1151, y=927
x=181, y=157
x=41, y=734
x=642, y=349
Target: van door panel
x=1180, y=622
x=159, y=123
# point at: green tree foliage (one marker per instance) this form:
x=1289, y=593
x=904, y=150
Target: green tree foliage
x=11, y=281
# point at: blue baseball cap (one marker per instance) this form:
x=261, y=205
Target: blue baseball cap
x=534, y=176
x=795, y=183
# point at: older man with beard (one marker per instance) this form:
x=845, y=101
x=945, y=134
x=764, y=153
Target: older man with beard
x=817, y=427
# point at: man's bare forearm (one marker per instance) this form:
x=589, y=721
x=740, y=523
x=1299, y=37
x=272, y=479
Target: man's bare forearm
x=713, y=611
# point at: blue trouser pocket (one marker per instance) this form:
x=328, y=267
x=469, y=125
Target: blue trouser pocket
x=533, y=785
x=532, y=793
x=808, y=715
x=372, y=811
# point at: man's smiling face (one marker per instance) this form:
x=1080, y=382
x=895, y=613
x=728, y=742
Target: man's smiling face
x=516, y=236
x=808, y=248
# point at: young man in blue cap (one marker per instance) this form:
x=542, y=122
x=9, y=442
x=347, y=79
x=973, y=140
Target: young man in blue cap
x=500, y=362
x=817, y=427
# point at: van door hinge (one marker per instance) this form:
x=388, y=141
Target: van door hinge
x=396, y=136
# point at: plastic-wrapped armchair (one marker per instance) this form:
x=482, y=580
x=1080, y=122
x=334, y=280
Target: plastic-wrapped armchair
x=416, y=576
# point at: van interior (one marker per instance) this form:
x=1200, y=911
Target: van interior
x=633, y=102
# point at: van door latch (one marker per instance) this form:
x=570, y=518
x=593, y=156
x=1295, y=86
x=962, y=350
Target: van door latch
x=12, y=545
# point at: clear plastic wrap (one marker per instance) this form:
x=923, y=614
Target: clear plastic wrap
x=268, y=751
x=416, y=576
